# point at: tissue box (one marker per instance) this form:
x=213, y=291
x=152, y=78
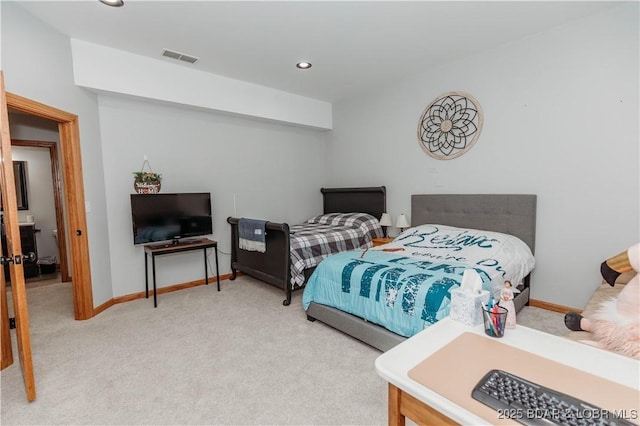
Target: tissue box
x=467, y=307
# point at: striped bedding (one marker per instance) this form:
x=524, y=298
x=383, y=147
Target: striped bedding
x=327, y=234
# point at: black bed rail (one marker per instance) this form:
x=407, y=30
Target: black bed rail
x=272, y=266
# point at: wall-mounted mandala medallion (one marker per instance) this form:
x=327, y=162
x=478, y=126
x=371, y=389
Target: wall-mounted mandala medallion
x=450, y=125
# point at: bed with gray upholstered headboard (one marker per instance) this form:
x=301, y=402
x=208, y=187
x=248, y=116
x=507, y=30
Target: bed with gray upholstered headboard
x=513, y=214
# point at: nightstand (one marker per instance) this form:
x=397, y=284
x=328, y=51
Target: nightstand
x=380, y=241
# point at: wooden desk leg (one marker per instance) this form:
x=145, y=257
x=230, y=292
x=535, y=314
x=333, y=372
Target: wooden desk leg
x=396, y=418
x=402, y=405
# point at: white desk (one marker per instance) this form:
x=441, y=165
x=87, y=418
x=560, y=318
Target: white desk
x=394, y=365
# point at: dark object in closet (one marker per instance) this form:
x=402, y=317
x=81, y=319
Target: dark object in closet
x=47, y=265
x=28, y=243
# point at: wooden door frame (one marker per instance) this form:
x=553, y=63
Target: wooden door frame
x=74, y=205
x=57, y=198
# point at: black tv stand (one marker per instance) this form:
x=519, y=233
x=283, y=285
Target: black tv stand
x=154, y=250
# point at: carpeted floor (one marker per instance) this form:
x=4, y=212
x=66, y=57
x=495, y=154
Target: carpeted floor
x=202, y=357
x=543, y=320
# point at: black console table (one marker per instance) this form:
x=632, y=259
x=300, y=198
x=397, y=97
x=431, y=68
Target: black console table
x=154, y=250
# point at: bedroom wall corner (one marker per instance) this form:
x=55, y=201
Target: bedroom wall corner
x=253, y=168
x=561, y=121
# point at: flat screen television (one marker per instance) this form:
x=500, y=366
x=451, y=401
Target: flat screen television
x=170, y=217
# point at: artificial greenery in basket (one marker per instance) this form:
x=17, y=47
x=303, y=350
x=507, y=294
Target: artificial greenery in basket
x=147, y=182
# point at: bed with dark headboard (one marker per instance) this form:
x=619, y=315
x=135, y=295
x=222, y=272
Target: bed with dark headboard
x=274, y=265
x=513, y=214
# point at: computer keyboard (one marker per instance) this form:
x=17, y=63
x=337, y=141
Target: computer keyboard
x=529, y=403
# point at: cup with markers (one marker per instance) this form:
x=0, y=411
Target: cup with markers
x=494, y=318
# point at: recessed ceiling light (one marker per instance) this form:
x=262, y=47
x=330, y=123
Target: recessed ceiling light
x=113, y=3
x=303, y=65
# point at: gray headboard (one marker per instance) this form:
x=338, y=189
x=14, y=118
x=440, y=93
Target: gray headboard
x=513, y=214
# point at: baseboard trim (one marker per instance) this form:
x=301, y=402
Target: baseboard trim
x=551, y=306
x=101, y=308
x=141, y=295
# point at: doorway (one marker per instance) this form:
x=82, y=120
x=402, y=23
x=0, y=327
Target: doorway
x=73, y=202
x=53, y=231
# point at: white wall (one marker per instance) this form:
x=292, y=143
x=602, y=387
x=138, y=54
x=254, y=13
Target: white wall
x=274, y=171
x=39, y=179
x=36, y=61
x=561, y=121
x=40, y=196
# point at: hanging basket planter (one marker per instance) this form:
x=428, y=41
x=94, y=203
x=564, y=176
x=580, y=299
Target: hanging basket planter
x=147, y=182
x=146, y=188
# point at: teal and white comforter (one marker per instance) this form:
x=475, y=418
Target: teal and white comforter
x=408, y=289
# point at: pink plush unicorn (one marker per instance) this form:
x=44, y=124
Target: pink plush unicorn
x=616, y=324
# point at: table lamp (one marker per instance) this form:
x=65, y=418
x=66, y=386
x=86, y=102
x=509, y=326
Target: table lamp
x=385, y=221
x=402, y=222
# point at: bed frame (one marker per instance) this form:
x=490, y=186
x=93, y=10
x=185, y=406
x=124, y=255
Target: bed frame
x=274, y=265
x=513, y=214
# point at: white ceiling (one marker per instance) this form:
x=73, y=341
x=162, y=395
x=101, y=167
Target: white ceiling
x=353, y=45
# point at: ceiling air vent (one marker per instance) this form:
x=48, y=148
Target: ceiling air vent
x=179, y=56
